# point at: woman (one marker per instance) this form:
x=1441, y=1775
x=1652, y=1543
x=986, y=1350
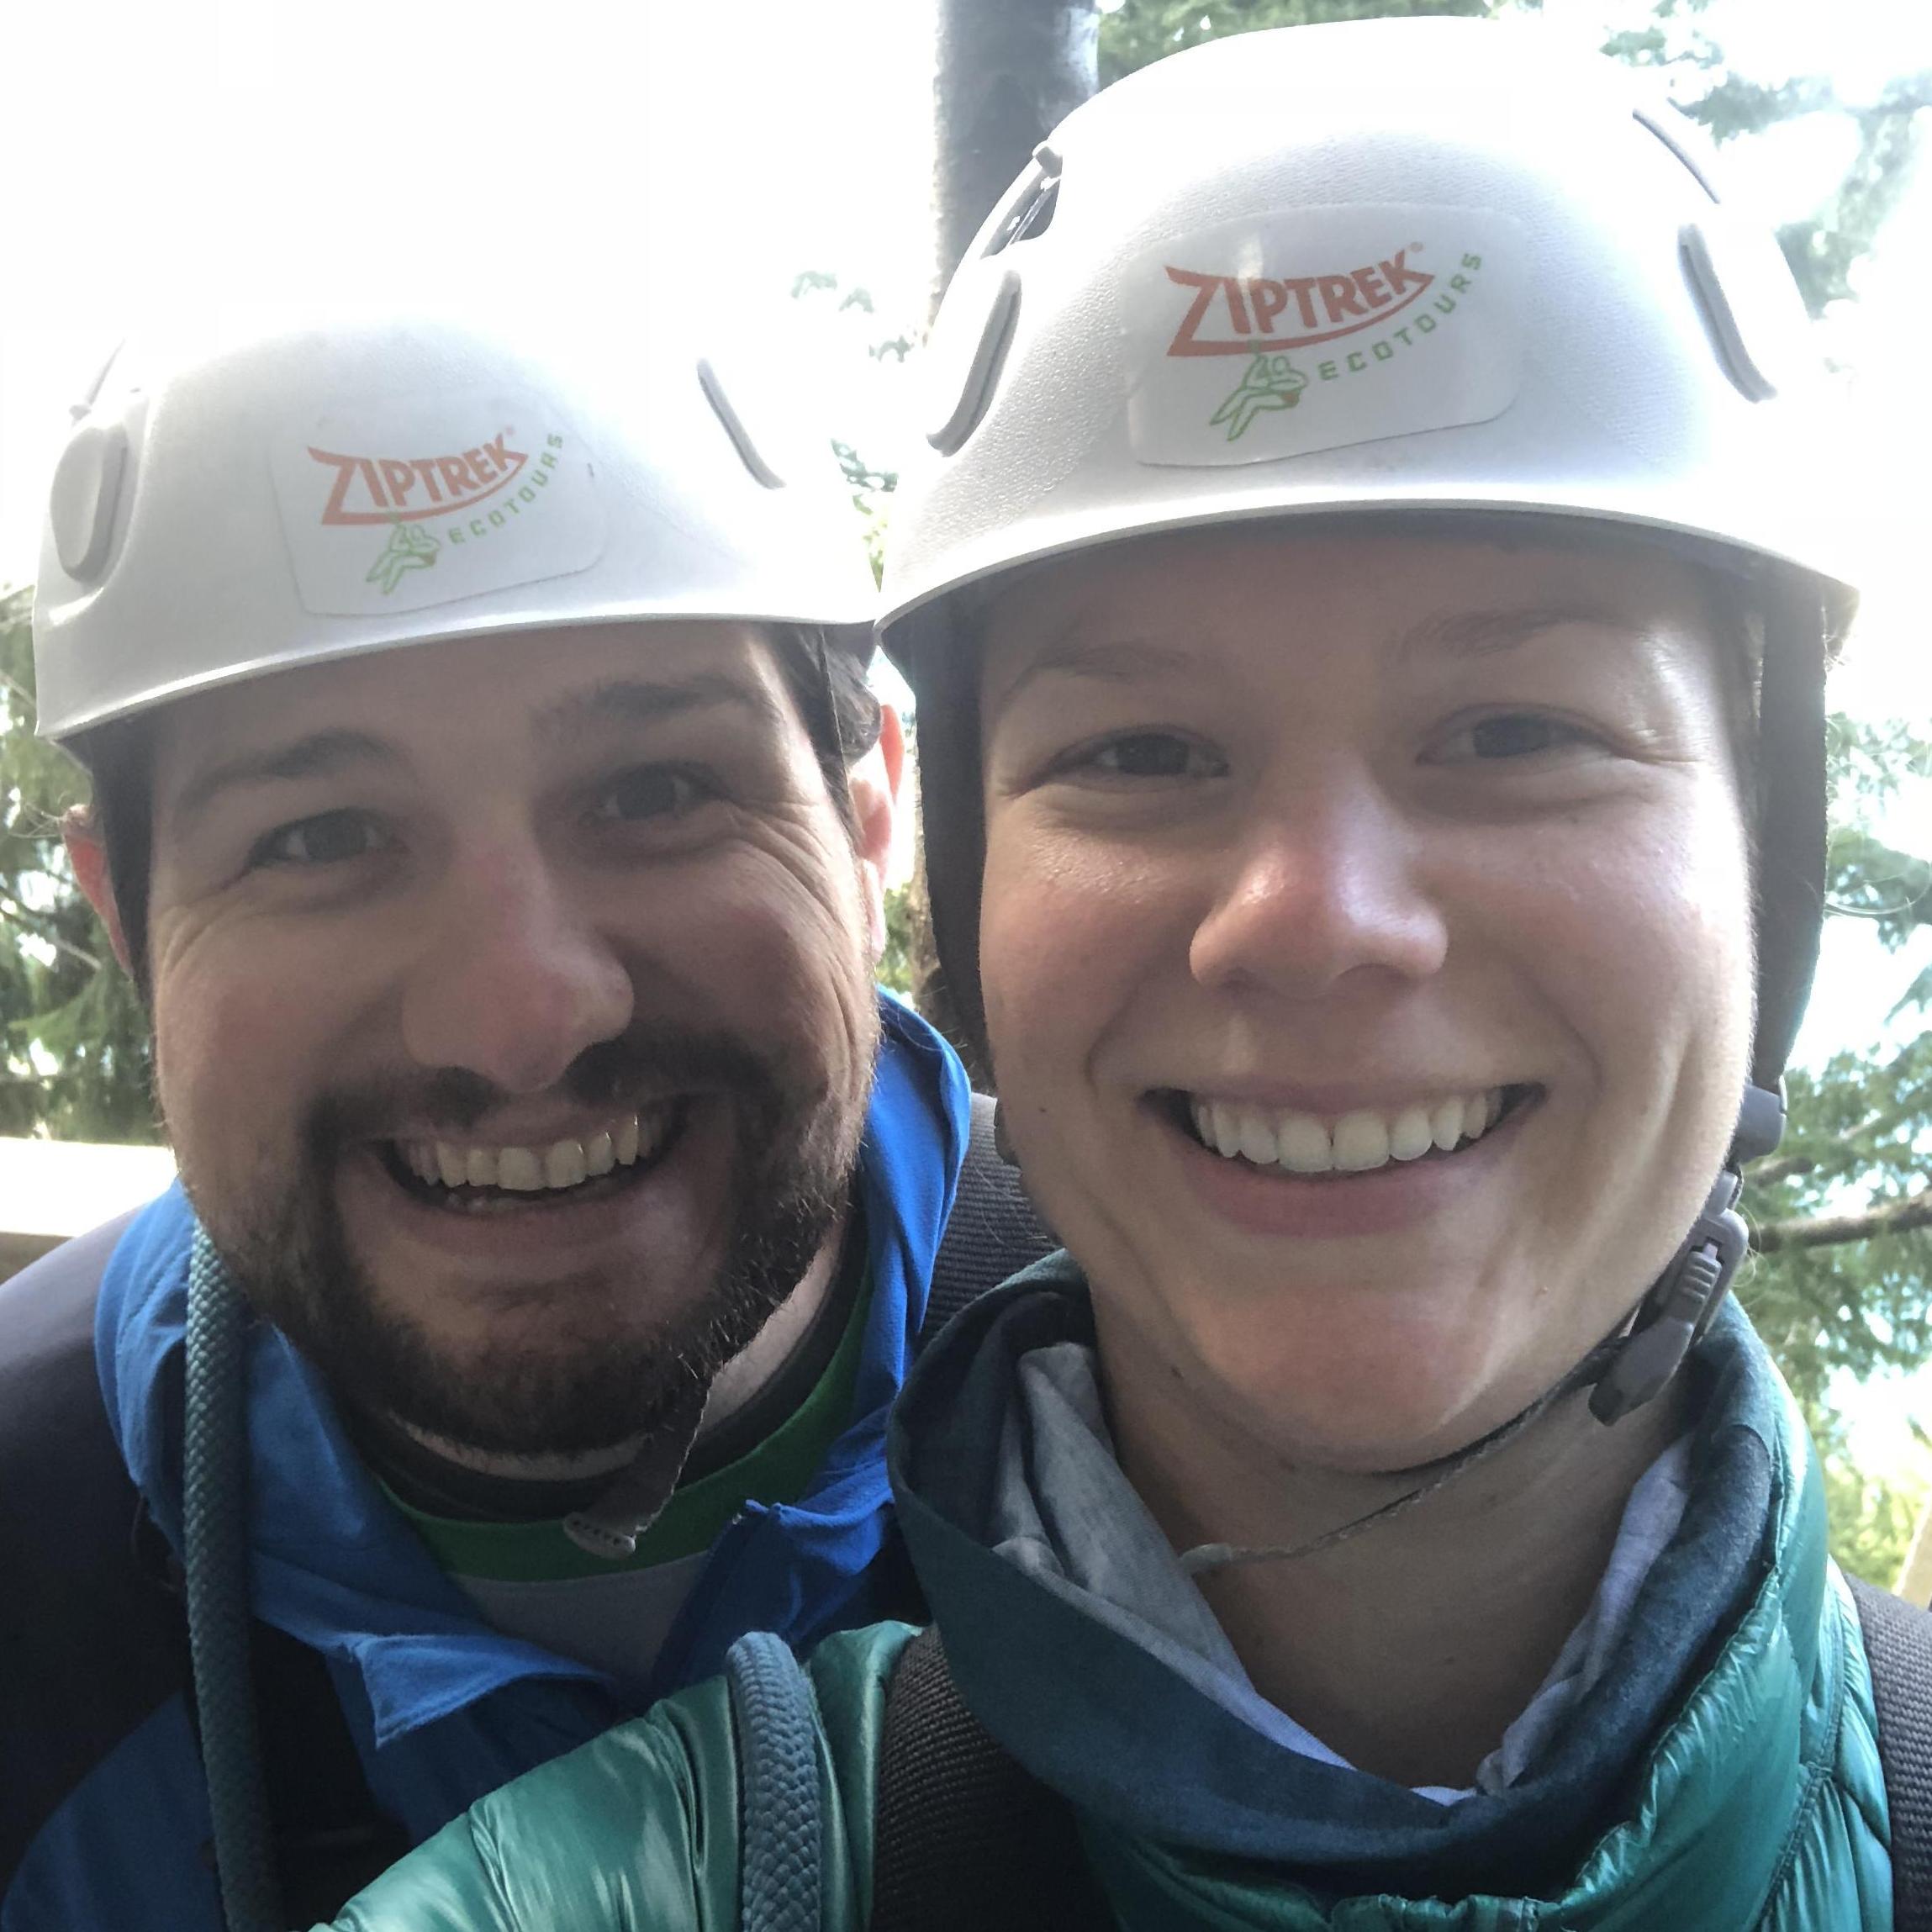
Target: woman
x=1368, y=633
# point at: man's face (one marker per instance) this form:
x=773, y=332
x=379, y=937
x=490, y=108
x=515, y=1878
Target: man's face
x=513, y=1020
x=1306, y=853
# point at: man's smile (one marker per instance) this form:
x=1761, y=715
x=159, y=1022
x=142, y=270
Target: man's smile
x=488, y=1178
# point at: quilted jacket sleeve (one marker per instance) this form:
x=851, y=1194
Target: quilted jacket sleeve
x=614, y=1836
x=638, y=1830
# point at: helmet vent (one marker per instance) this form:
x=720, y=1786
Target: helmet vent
x=1673, y=138
x=1028, y=208
x=734, y=428
x=1033, y=216
x=981, y=372
x=86, y=493
x=1701, y=272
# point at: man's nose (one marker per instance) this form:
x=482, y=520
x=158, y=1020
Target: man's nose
x=517, y=978
x=1325, y=882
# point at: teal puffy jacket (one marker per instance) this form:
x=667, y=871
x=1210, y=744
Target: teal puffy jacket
x=1755, y=1800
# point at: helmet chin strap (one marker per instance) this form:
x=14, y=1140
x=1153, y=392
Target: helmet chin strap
x=1685, y=1297
x=1631, y=1366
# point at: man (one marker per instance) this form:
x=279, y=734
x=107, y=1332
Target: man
x=490, y=807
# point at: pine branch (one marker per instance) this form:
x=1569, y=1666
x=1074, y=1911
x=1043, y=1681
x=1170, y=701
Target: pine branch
x=1775, y=1167
x=1834, y=1230
x=12, y=913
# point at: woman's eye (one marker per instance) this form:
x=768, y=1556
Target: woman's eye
x=329, y=838
x=1150, y=755
x=1512, y=735
x=654, y=792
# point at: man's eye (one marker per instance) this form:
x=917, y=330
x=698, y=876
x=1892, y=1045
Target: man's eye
x=329, y=838
x=1511, y=735
x=653, y=792
x=1150, y=755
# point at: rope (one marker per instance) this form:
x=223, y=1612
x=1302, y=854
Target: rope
x=214, y=1538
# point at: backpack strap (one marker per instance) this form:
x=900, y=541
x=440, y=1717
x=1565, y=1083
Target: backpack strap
x=1898, y=1646
x=964, y=1838
x=780, y=1843
x=95, y=1638
x=92, y=1642
x=993, y=1232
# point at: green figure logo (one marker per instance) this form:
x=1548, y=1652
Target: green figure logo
x=1271, y=382
x=409, y=548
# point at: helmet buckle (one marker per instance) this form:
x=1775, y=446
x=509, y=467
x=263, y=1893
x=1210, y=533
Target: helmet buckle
x=1679, y=1308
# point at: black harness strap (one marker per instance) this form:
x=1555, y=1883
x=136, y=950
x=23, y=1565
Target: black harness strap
x=1899, y=1643
x=93, y=1636
x=993, y=1231
x=965, y=1839
x=92, y=1643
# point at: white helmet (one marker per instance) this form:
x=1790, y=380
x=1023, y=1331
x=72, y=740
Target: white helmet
x=1407, y=263
x=352, y=488
x=1387, y=266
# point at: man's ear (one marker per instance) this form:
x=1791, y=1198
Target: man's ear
x=874, y=781
x=90, y=862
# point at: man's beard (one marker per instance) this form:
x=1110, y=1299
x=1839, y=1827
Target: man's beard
x=795, y=1144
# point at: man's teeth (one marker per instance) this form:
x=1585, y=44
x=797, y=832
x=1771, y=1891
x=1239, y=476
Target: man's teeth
x=1303, y=1143
x=533, y=1169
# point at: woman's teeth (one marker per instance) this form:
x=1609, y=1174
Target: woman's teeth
x=1303, y=1143
x=534, y=1170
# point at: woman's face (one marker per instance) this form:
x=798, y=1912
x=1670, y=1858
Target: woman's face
x=1304, y=851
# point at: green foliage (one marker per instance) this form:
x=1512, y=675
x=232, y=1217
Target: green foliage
x=1143, y=31
x=895, y=969
x=870, y=487
x=1859, y=1136
x=1858, y=1132
x=1871, y=1519
x=73, y=1037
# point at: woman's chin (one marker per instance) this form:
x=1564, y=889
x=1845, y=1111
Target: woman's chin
x=1369, y=1411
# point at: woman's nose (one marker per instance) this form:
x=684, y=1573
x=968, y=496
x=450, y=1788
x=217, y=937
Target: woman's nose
x=1320, y=885
x=518, y=978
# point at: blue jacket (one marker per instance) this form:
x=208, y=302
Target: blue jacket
x=441, y=1708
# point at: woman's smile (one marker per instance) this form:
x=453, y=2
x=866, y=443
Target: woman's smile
x=1285, y=1171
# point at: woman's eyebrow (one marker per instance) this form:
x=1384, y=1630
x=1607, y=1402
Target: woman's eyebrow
x=1464, y=634
x=1115, y=661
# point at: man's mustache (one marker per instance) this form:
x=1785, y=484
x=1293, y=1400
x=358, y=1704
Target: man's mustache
x=639, y=1067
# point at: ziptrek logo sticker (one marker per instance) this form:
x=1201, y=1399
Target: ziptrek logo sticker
x=1231, y=314
x=1271, y=382
x=385, y=489
x=1352, y=323
x=420, y=500
x=408, y=549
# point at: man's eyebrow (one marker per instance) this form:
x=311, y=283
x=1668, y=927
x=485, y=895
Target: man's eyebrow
x=1485, y=633
x=644, y=701
x=320, y=754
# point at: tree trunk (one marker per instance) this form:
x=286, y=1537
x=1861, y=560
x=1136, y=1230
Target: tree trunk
x=1009, y=70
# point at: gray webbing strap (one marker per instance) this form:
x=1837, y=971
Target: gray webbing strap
x=1898, y=1645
